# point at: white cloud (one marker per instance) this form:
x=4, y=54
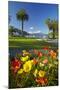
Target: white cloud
x=37, y=31
x=31, y=28
x=34, y=30
x=30, y=32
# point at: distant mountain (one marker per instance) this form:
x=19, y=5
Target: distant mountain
x=16, y=32
x=19, y=31
x=40, y=35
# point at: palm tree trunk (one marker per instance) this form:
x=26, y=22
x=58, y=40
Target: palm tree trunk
x=48, y=34
x=53, y=34
x=22, y=28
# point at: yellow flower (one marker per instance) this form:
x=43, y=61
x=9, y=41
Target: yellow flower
x=27, y=66
x=31, y=61
x=24, y=58
x=20, y=71
x=35, y=72
x=41, y=64
x=41, y=73
x=25, y=53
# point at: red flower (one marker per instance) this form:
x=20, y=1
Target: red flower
x=42, y=81
x=46, y=48
x=15, y=65
x=39, y=54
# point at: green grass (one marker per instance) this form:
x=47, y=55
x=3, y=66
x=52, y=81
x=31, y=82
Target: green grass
x=28, y=43
x=17, y=37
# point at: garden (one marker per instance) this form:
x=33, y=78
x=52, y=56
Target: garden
x=34, y=68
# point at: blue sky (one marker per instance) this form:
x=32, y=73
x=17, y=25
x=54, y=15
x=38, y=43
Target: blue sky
x=37, y=12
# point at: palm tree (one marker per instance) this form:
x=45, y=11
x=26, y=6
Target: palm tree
x=49, y=24
x=52, y=25
x=22, y=16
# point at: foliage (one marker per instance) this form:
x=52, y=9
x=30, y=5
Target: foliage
x=53, y=26
x=23, y=16
x=15, y=30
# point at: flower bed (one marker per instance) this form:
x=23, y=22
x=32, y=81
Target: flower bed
x=34, y=68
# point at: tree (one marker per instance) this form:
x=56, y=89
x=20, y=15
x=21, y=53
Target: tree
x=49, y=24
x=53, y=26
x=11, y=30
x=22, y=16
x=9, y=19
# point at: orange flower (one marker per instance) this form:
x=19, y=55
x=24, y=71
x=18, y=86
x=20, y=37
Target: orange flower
x=53, y=54
x=35, y=61
x=42, y=81
x=39, y=54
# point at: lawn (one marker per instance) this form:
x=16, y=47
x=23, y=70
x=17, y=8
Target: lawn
x=28, y=43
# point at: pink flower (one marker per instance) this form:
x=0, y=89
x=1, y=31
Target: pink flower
x=45, y=61
x=35, y=51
